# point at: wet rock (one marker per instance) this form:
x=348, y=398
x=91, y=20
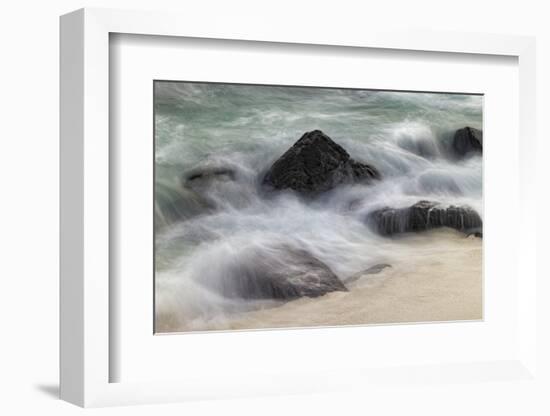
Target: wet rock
x=315, y=164
x=363, y=172
x=424, y=215
x=218, y=186
x=467, y=141
x=377, y=268
x=202, y=176
x=280, y=273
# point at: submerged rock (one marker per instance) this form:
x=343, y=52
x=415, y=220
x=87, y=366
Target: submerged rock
x=219, y=186
x=424, y=215
x=377, y=268
x=280, y=273
x=467, y=140
x=316, y=163
x=202, y=176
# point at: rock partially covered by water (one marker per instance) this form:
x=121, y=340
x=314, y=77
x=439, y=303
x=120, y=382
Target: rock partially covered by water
x=377, y=268
x=315, y=164
x=280, y=273
x=467, y=140
x=203, y=176
x=424, y=215
x=218, y=185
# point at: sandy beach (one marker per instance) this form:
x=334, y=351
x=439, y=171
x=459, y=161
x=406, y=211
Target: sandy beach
x=439, y=279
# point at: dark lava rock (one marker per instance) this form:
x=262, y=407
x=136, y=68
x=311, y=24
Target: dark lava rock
x=280, y=273
x=467, y=140
x=424, y=215
x=315, y=164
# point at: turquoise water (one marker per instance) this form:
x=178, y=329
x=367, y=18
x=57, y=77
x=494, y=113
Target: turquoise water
x=244, y=129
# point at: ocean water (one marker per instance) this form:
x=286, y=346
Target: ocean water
x=205, y=232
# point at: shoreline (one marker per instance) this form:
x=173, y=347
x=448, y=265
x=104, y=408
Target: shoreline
x=438, y=279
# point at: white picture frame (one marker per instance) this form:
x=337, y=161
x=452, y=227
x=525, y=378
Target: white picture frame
x=85, y=220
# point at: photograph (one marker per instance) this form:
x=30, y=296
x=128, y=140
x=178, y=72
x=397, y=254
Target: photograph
x=280, y=207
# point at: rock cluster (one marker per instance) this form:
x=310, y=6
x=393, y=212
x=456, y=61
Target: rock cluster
x=313, y=165
x=281, y=273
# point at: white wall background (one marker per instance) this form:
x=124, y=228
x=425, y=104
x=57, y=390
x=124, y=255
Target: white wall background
x=29, y=207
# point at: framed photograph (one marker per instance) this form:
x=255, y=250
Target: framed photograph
x=271, y=212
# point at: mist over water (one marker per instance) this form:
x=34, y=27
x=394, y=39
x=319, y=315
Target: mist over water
x=208, y=228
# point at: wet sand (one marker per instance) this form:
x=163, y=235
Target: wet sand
x=435, y=276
